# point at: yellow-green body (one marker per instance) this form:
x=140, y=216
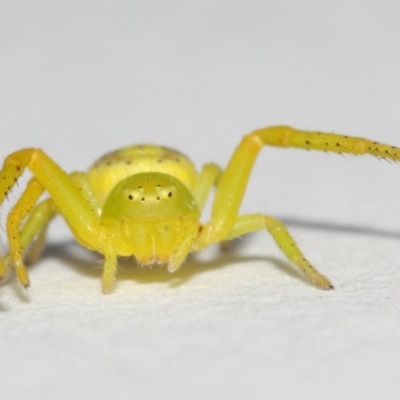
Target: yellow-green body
x=146, y=201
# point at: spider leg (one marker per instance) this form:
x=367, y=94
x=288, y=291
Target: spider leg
x=66, y=195
x=34, y=248
x=229, y=193
x=17, y=214
x=208, y=177
x=233, y=181
x=33, y=232
x=80, y=180
x=110, y=255
x=285, y=136
x=254, y=222
x=109, y=271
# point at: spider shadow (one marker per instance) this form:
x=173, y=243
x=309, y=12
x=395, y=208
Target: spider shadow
x=339, y=228
x=90, y=264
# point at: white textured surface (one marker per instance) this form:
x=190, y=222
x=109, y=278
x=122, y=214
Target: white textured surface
x=81, y=78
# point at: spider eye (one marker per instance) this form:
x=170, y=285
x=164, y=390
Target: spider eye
x=169, y=194
x=130, y=197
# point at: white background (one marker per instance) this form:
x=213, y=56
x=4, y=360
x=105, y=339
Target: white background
x=80, y=78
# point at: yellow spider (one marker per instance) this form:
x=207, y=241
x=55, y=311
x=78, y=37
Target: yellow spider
x=146, y=201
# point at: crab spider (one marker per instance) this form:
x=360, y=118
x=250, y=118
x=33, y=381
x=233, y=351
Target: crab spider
x=146, y=201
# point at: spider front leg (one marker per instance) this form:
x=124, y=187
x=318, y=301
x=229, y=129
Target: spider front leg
x=234, y=180
x=226, y=225
x=67, y=198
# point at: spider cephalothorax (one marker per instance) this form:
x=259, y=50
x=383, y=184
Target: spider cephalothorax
x=152, y=216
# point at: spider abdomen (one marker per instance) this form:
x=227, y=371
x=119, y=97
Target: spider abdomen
x=113, y=167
